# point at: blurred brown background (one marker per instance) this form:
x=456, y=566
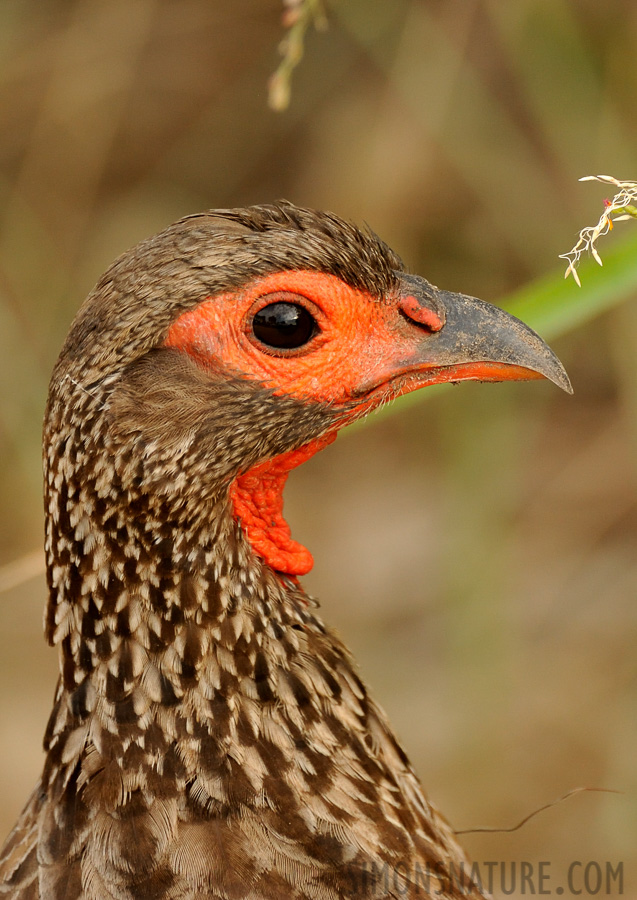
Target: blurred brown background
x=477, y=551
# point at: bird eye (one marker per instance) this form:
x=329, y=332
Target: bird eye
x=284, y=326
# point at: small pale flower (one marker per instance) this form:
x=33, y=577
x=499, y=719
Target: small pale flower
x=618, y=209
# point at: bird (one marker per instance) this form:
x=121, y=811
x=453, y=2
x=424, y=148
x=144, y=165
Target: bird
x=210, y=736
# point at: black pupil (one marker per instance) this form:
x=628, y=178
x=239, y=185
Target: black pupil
x=285, y=326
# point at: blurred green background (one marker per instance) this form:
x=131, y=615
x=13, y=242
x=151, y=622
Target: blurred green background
x=477, y=549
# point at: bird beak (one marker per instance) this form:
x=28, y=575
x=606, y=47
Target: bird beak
x=464, y=338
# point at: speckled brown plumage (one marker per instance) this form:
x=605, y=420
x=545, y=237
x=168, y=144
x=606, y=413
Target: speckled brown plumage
x=210, y=737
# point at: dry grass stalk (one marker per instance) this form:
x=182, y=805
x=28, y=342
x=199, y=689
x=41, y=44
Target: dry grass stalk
x=297, y=17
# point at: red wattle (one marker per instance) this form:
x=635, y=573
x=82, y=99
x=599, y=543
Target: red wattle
x=257, y=501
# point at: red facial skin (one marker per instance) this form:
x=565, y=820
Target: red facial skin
x=360, y=354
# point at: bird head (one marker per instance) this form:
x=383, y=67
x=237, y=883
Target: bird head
x=218, y=355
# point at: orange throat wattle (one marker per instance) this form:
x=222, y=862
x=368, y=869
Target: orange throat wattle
x=257, y=503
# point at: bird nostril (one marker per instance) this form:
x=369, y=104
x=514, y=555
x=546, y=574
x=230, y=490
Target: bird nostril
x=422, y=315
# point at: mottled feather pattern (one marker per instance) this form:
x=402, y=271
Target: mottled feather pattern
x=210, y=737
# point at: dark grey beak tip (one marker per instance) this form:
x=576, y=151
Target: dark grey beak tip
x=533, y=351
x=562, y=380
x=545, y=361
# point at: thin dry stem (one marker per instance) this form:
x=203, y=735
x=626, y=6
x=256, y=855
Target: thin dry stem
x=297, y=17
x=495, y=830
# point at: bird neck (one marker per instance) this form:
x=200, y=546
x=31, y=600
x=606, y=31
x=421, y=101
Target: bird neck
x=164, y=644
